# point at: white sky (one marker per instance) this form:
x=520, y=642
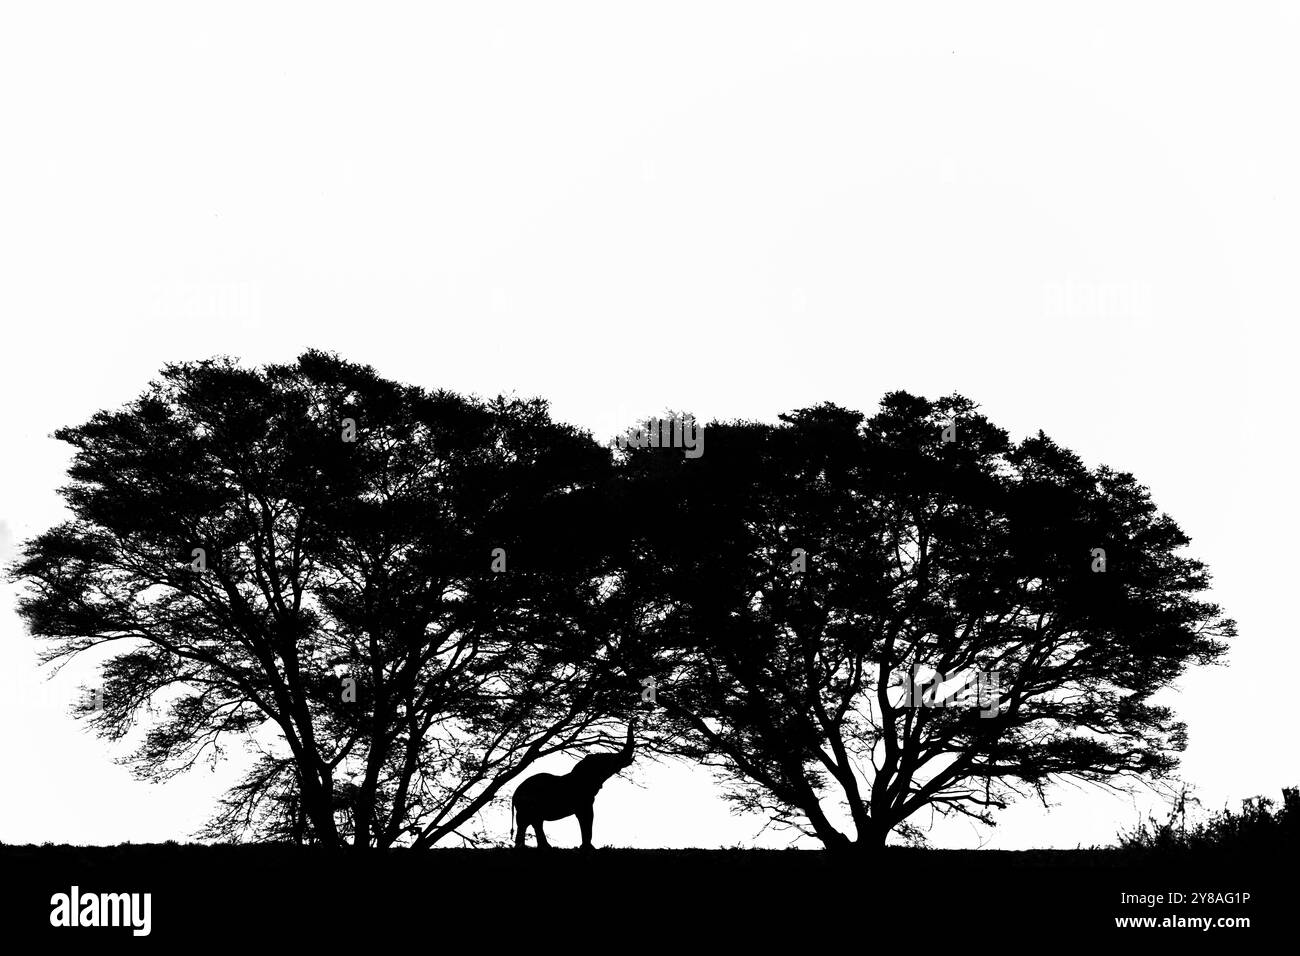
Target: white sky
x=1085, y=220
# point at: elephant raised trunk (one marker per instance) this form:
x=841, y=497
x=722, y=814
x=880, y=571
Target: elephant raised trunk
x=545, y=796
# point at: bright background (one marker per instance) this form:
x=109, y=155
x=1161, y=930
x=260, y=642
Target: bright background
x=1083, y=219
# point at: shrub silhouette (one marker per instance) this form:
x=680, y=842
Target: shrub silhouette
x=1259, y=825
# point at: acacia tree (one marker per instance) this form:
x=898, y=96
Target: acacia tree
x=304, y=557
x=795, y=575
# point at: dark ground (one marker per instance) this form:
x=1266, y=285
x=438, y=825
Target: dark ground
x=610, y=899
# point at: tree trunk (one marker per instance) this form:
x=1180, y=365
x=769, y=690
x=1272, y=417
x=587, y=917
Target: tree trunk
x=299, y=822
x=319, y=803
x=871, y=838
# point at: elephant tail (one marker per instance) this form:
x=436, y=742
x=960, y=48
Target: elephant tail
x=514, y=812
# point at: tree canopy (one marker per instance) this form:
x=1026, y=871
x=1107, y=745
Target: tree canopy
x=801, y=581
x=398, y=600
x=393, y=596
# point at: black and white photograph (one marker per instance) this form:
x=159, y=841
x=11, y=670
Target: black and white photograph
x=592, y=476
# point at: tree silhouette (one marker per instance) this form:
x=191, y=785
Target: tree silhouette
x=305, y=558
x=794, y=576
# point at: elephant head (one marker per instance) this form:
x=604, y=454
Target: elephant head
x=592, y=771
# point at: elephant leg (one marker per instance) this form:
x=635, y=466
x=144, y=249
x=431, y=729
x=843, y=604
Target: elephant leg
x=541, y=835
x=519, y=833
x=585, y=815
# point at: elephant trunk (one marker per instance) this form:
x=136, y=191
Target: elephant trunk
x=625, y=755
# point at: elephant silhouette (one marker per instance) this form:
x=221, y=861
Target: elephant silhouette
x=545, y=796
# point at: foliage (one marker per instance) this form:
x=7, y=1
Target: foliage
x=259, y=574
x=796, y=573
